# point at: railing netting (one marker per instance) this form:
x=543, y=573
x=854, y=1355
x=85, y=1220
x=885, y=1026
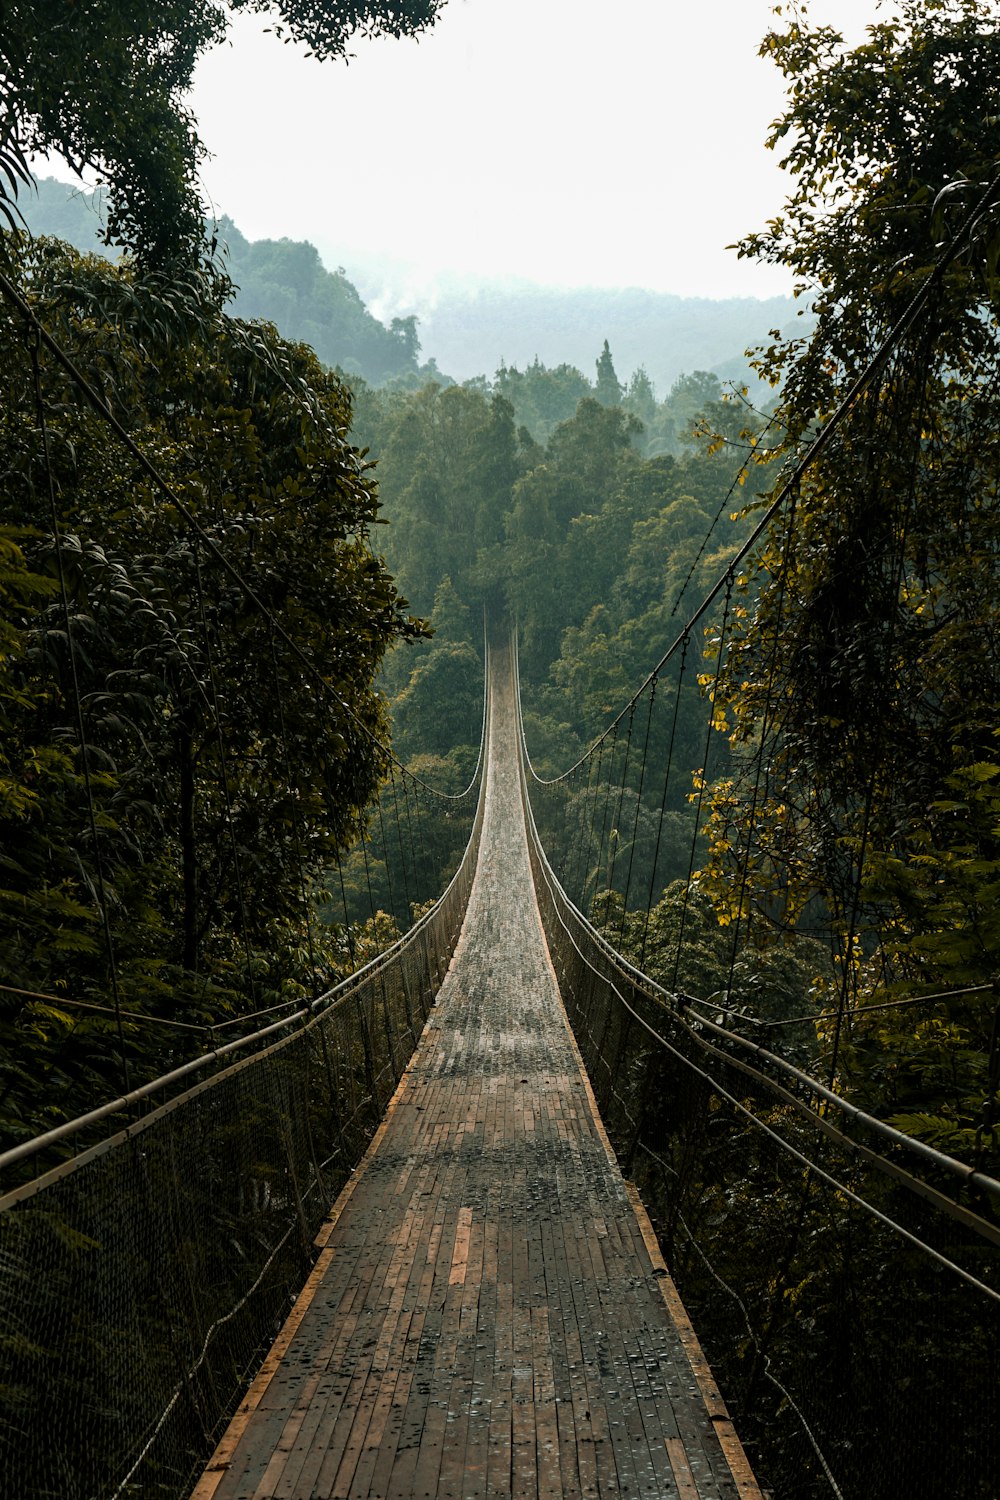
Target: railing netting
x=142, y=1280
x=847, y=1296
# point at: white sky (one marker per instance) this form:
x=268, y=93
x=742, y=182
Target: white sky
x=568, y=142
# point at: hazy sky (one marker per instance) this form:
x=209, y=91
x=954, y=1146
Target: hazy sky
x=564, y=141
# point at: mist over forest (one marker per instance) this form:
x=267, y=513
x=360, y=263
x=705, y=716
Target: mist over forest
x=457, y=328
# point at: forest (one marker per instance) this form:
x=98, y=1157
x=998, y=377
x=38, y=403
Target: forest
x=246, y=576
x=466, y=330
x=577, y=504
x=538, y=492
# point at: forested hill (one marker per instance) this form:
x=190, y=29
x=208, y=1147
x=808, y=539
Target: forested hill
x=463, y=329
x=665, y=334
x=281, y=281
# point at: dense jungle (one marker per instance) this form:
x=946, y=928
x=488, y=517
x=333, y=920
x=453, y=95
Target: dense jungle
x=246, y=560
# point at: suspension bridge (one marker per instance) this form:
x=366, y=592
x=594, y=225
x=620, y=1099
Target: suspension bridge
x=384, y=1244
x=489, y=1313
x=415, y=1184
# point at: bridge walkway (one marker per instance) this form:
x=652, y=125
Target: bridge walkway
x=489, y=1315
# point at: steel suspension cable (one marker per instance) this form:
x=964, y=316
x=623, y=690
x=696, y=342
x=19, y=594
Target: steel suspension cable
x=348, y=926
x=385, y=857
x=759, y=774
x=702, y=781
x=604, y=819
x=663, y=803
x=618, y=816
x=412, y=841
x=897, y=579
x=580, y=872
x=638, y=809
x=407, y=889
x=593, y=863
x=226, y=789
x=307, y=904
x=858, y=385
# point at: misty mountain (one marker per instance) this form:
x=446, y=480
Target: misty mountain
x=282, y=281
x=469, y=331
x=458, y=326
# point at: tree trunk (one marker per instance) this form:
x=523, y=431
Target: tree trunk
x=189, y=852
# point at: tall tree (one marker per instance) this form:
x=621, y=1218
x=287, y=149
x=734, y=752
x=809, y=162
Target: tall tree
x=870, y=661
x=446, y=470
x=608, y=388
x=102, y=82
x=640, y=398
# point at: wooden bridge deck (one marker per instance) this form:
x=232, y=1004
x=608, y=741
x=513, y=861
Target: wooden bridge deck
x=489, y=1315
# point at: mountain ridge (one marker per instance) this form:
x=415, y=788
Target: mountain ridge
x=460, y=327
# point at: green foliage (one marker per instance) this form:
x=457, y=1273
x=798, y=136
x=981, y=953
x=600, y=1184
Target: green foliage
x=279, y=281
x=223, y=774
x=104, y=85
x=447, y=460
x=945, y=886
x=594, y=551
x=878, y=187
x=542, y=398
x=607, y=387
x=860, y=694
x=589, y=545
x=285, y=283
x=124, y=114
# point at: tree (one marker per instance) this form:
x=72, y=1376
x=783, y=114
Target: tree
x=225, y=773
x=583, y=462
x=103, y=84
x=869, y=663
x=448, y=460
x=608, y=388
x=640, y=398
x=405, y=330
x=541, y=397
x=889, y=145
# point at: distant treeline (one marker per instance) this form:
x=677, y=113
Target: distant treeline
x=467, y=332
x=469, y=329
x=280, y=281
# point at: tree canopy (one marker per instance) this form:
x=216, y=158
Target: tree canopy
x=156, y=673
x=102, y=83
x=862, y=698
x=890, y=144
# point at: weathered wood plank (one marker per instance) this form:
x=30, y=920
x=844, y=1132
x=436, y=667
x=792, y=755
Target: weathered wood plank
x=490, y=1317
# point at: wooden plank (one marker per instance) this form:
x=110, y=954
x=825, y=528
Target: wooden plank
x=501, y=1435
x=687, y=1489
x=490, y=1316
x=467, y=1460
x=338, y=1354
x=460, y=1254
x=732, y=1449
x=389, y=1364
x=573, y=1415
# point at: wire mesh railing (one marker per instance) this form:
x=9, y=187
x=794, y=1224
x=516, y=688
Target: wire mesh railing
x=141, y=1281
x=794, y=818
x=844, y=1280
